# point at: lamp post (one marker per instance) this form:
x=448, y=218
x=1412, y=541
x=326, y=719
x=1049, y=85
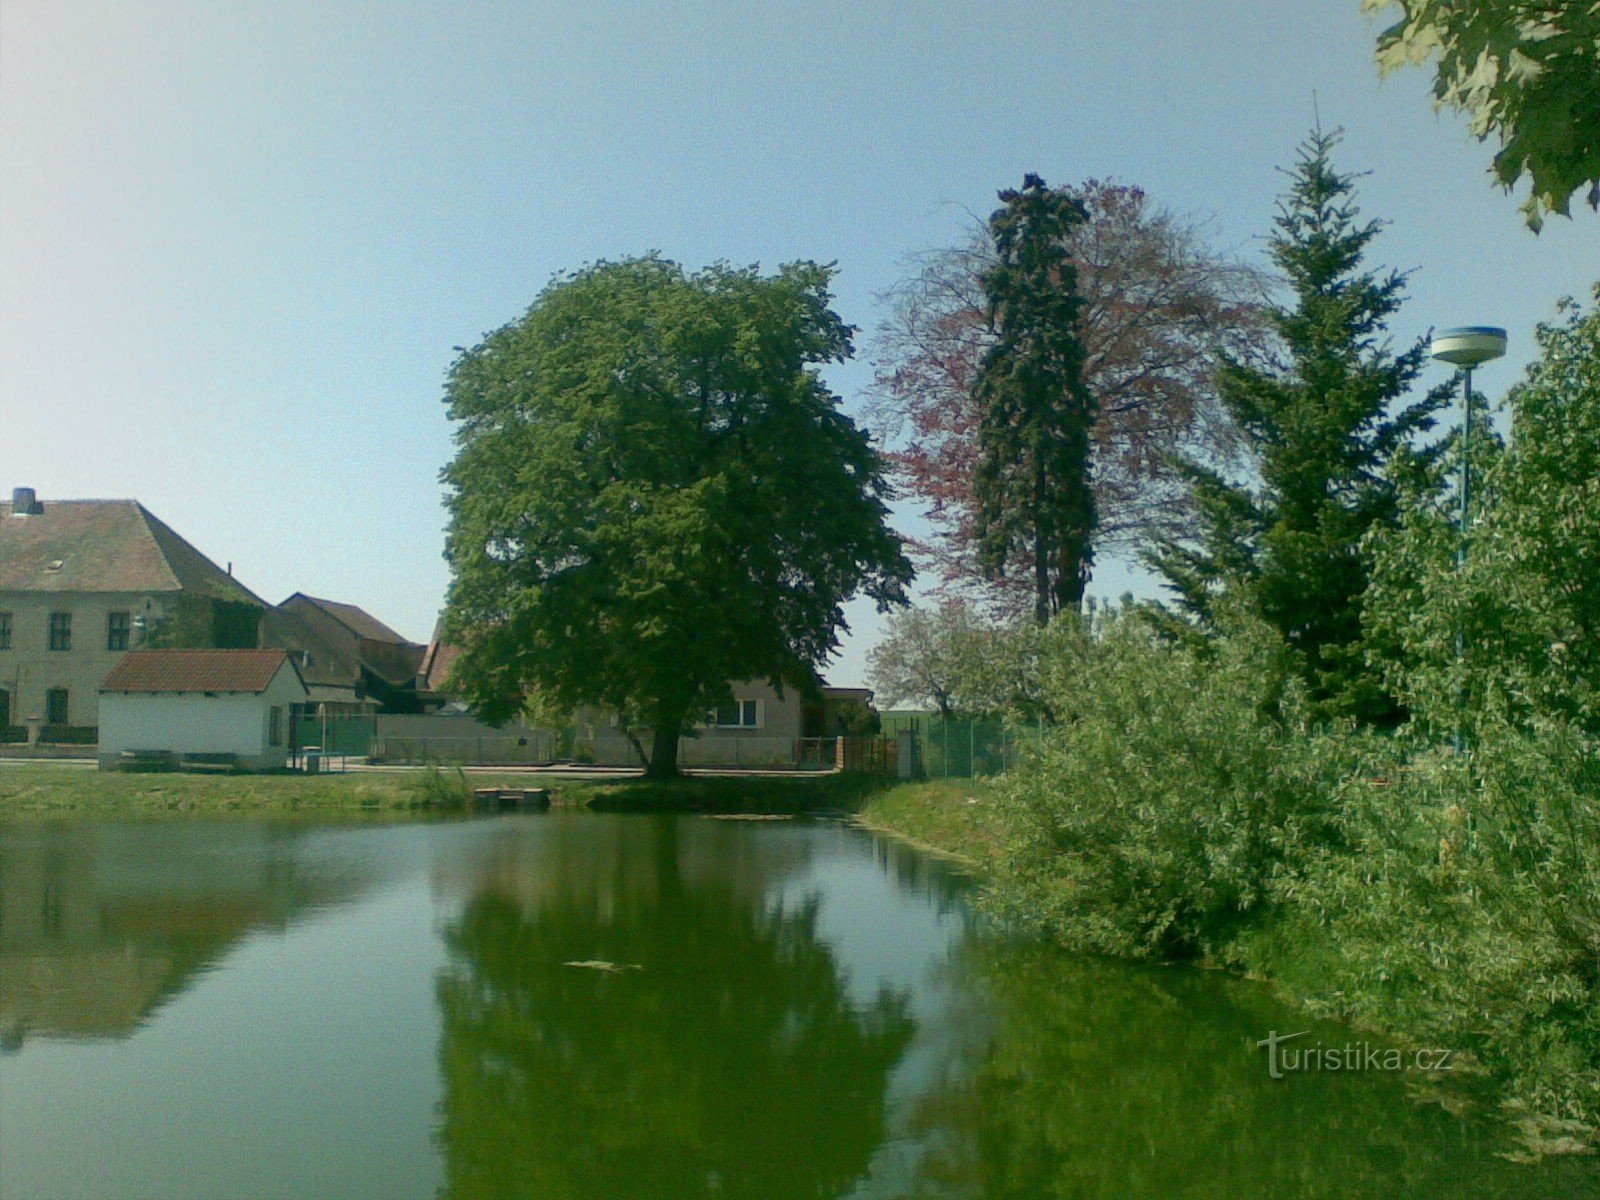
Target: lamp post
x=1466, y=347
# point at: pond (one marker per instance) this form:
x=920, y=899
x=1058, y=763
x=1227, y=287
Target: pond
x=584, y=1005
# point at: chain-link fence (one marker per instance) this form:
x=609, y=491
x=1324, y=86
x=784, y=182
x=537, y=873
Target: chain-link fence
x=963, y=747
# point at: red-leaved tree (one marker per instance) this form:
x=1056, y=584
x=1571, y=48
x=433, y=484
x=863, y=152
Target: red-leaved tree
x=1160, y=306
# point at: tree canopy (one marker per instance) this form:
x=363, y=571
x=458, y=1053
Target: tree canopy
x=1527, y=72
x=1032, y=487
x=1514, y=632
x=1158, y=303
x=655, y=495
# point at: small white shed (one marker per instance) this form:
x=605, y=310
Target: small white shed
x=212, y=706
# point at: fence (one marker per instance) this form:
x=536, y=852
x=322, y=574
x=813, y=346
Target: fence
x=338, y=732
x=963, y=748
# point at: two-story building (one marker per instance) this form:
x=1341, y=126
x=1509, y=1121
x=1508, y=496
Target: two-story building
x=82, y=582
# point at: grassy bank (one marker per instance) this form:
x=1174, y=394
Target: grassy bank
x=45, y=790
x=956, y=817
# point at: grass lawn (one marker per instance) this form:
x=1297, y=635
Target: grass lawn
x=29, y=789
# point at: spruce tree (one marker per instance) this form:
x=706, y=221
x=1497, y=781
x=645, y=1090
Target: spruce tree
x=1327, y=433
x=1035, y=503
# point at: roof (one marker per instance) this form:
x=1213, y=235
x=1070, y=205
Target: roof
x=860, y=694
x=105, y=546
x=320, y=661
x=249, y=671
x=357, y=620
x=438, y=661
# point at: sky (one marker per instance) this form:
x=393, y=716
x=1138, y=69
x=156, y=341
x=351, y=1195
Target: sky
x=240, y=240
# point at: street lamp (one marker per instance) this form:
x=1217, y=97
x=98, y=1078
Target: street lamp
x=1466, y=347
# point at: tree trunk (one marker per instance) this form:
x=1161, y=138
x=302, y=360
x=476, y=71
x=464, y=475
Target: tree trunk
x=1041, y=553
x=664, y=747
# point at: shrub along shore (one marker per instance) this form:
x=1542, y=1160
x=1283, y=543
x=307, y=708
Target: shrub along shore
x=1187, y=810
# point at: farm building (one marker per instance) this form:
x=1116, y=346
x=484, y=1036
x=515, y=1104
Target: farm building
x=222, y=707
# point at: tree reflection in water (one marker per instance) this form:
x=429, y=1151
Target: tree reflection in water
x=734, y=1063
x=1080, y=1077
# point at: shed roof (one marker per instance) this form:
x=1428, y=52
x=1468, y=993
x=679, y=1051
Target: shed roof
x=105, y=546
x=250, y=671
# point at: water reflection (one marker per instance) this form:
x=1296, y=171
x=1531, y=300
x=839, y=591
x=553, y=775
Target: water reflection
x=100, y=924
x=816, y=1014
x=1083, y=1078
x=731, y=1064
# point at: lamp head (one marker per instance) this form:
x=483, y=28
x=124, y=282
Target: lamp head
x=1468, y=346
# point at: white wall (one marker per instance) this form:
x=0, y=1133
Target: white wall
x=194, y=723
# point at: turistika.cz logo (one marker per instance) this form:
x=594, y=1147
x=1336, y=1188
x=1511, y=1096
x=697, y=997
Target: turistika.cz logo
x=1352, y=1056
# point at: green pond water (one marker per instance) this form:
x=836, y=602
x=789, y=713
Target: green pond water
x=234, y=1009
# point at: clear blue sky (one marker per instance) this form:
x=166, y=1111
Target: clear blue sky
x=239, y=240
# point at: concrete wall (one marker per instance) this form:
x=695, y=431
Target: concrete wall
x=418, y=738
x=29, y=669
x=195, y=723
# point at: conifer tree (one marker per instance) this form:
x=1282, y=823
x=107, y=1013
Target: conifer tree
x=1328, y=434
x=1032, y=486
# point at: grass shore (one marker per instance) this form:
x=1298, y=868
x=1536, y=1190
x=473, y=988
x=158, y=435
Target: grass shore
x=32, y=790
x=948, y=817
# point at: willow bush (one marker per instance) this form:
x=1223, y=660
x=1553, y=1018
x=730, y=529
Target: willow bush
x=1181, y=784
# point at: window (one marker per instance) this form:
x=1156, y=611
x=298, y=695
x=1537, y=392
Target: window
x=117, y=631
x=61, y=631
x=275, y=726
x=741, y=714
x=5, y=631
x=56, y=707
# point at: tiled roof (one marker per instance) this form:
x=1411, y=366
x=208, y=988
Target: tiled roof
x=357, y=620
x=195, y=671
x=438, y=661
x=105, y=546
x=319, y=660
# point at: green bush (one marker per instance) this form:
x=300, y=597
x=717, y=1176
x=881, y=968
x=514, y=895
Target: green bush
x=1460, y=907
x=1182, y=784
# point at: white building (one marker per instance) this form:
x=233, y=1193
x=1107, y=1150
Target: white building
x=217, y=706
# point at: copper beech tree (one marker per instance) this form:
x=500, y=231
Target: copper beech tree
x=1159, y=305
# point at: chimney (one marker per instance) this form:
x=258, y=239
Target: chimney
x=24, y=502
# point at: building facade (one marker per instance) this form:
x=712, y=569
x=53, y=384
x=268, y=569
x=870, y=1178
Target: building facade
x=228, y=706
x=82, y=582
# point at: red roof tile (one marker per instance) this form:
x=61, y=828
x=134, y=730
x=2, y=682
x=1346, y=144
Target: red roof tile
x=195, y=671
x=438, y=660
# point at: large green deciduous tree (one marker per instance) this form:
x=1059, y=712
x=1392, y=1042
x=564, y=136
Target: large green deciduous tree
x=655, y=495
x=1331, y=433
x=1528, y=72
x=1032, y=486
